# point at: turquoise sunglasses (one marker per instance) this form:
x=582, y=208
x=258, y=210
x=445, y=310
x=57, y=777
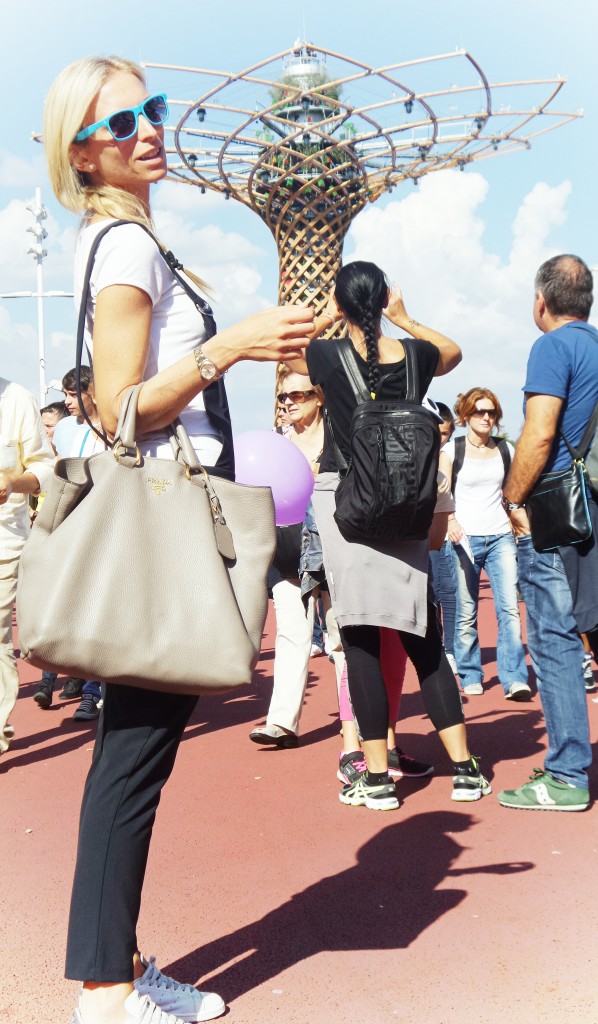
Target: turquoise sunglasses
x=123, y=124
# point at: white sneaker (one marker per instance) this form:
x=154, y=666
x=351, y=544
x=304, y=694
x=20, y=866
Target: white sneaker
x=519, y=692
x=316, y=651
x=473, y=690
x=139, y=1010
x=184, y=1002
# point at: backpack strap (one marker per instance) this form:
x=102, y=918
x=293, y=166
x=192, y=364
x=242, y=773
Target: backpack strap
x=460, y=442
x=505, y=454
x=457, y=461
x=349, y=364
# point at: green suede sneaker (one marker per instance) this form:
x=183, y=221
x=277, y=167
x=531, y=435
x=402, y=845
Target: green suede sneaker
x=545, y=793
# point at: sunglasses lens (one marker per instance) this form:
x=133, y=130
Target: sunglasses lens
x=123, y=124
x=156, y=109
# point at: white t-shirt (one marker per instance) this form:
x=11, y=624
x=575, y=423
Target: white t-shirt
x=25, y=448
x=127, y=255
x=478, y=507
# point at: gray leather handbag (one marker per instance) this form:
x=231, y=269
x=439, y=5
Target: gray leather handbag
x=147, y=571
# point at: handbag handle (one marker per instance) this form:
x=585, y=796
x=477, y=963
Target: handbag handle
x=127, y=453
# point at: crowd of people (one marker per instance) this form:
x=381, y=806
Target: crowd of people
x=383, y=601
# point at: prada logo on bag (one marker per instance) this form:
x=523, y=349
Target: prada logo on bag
x=158, y=486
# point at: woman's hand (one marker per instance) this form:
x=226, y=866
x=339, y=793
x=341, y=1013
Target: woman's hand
x=273, y=335
x=395, y=310
x=332, y=307
x=455, y=531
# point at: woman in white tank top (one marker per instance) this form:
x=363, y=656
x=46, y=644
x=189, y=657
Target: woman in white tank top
x=482, y=538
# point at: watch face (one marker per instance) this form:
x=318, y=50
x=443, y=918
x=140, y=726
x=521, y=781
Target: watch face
x=208, y=370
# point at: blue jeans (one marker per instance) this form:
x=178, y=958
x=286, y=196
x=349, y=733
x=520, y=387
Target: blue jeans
x=444, y=592
x=556, y=652
x=497, y=554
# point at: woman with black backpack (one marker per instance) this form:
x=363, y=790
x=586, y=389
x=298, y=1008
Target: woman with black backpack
x=383, y=582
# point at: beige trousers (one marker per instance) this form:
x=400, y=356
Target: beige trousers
x=292, y=648
x=9, y=677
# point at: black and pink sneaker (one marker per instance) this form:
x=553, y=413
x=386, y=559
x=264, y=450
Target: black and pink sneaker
x=350, y=767
x=401, y=766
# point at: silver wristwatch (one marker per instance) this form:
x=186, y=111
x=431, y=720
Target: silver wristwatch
x=511, y=506
x=205, y=366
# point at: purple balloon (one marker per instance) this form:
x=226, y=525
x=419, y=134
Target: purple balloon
x=264, y=458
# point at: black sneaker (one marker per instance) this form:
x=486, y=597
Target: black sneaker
x=72, y=689
x=43, y=697
x=350, y=767
x=381, y=797
x=88, y=708
x=469, y=783
x=401, y=766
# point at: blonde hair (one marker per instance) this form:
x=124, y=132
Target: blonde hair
x=67, y=103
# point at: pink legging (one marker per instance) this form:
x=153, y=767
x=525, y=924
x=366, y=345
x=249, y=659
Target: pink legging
x=393, y=660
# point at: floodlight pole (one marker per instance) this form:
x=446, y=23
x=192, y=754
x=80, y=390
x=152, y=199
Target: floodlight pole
x=39, y=254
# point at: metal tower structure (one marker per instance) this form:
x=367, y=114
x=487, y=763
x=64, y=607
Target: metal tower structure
x=308, y=137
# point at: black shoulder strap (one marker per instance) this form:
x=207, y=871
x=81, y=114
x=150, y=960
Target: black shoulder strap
x=173, y=264
x=505, y=454
x=457, y=461
x=587, y=440
x=351, y=369
x=81, y=323
x=357, y=383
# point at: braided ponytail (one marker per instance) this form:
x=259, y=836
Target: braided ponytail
x=370, y=325
x=361, y=292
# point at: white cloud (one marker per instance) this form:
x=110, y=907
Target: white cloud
x=18, y=173
x=225, y=260
x=432, y=245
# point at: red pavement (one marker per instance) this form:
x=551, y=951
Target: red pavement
x=263, y=887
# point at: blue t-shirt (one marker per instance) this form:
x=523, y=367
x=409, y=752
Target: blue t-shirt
x=564, y=363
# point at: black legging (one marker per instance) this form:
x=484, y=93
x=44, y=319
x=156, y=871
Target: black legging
x=440, y=692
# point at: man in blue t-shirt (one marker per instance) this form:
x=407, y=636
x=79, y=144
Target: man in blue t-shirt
x=560, y=588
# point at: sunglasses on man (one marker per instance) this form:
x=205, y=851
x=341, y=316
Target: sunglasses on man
x=122, y=125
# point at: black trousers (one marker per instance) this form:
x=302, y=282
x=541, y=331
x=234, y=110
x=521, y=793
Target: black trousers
x=138, y=737
x=440, y=692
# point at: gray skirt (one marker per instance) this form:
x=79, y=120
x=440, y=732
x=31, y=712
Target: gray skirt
x=371, y=584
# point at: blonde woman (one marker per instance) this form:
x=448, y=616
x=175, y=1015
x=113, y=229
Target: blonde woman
x=294, y=620
x=104, y=140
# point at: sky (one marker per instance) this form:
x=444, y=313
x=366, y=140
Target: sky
x=463, y=247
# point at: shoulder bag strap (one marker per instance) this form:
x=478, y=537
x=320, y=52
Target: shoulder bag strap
x=587, y=440
x=81, y=323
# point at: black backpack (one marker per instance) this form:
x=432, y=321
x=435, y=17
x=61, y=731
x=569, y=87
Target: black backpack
x=387, y=491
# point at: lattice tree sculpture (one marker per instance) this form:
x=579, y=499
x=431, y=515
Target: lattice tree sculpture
x=307, y=137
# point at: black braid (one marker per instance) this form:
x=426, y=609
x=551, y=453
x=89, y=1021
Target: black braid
x=370, y=326
x=361, y=293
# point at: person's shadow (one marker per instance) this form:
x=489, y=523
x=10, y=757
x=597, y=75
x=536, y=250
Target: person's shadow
x=384, y=902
